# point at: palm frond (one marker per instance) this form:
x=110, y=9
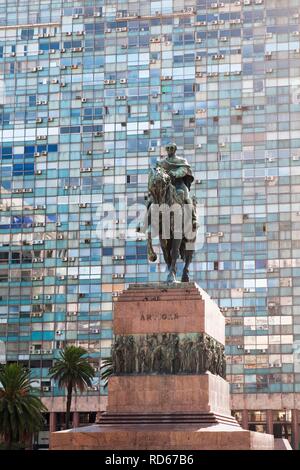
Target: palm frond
x=20, y=408
x=107, y=370
x=73, y=367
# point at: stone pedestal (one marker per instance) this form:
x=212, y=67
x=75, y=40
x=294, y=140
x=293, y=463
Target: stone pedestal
x=182, y=308
x=168, y=394
x=180, y=403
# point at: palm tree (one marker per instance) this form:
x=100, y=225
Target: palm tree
x=20, y=409
x=107, y=370
x=73, y=372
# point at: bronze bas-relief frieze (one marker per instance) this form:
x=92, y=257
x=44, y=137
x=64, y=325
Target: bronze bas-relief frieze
x=168, y=353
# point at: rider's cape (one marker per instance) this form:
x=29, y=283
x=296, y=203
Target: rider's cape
x=180, y=164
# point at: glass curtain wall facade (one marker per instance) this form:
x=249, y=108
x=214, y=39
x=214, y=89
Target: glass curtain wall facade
x=90, y=93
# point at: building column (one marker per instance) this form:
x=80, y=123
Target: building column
x=269, y=420
x=295, y=429
x=245, y=420
x=52, y=421
x=75, y=419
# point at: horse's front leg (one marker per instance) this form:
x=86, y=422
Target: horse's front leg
x=185, y=273
x=152, y=256
x=174, y=256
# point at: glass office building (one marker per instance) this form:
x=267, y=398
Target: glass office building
x=90, y=93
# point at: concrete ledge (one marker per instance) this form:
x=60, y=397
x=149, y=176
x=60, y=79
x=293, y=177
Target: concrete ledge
x=282, y=444
x=218, y=437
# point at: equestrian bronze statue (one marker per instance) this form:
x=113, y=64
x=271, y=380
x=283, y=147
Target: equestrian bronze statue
x=171, y=213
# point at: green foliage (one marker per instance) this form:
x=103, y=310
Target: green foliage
x=73, y=372
x=73, y=367
x=106, y=370
x=20, y=408
x=12, y=446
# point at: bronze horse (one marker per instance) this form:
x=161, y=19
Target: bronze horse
x=163, y=193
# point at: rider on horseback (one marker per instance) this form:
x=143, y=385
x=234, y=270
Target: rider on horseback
x=181, y=176
x=169, y=184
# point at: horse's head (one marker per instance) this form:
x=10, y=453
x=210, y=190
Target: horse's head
x=158, y=182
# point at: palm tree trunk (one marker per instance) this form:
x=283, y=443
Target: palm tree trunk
x=69, y=401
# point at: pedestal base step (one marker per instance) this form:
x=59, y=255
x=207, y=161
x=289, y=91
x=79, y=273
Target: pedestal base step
x=160, y=437
x=199, y=419
x=148, y=292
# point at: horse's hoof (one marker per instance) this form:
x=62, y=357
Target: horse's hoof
x=185, y=277
x=171, y=279
x=152, y=258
